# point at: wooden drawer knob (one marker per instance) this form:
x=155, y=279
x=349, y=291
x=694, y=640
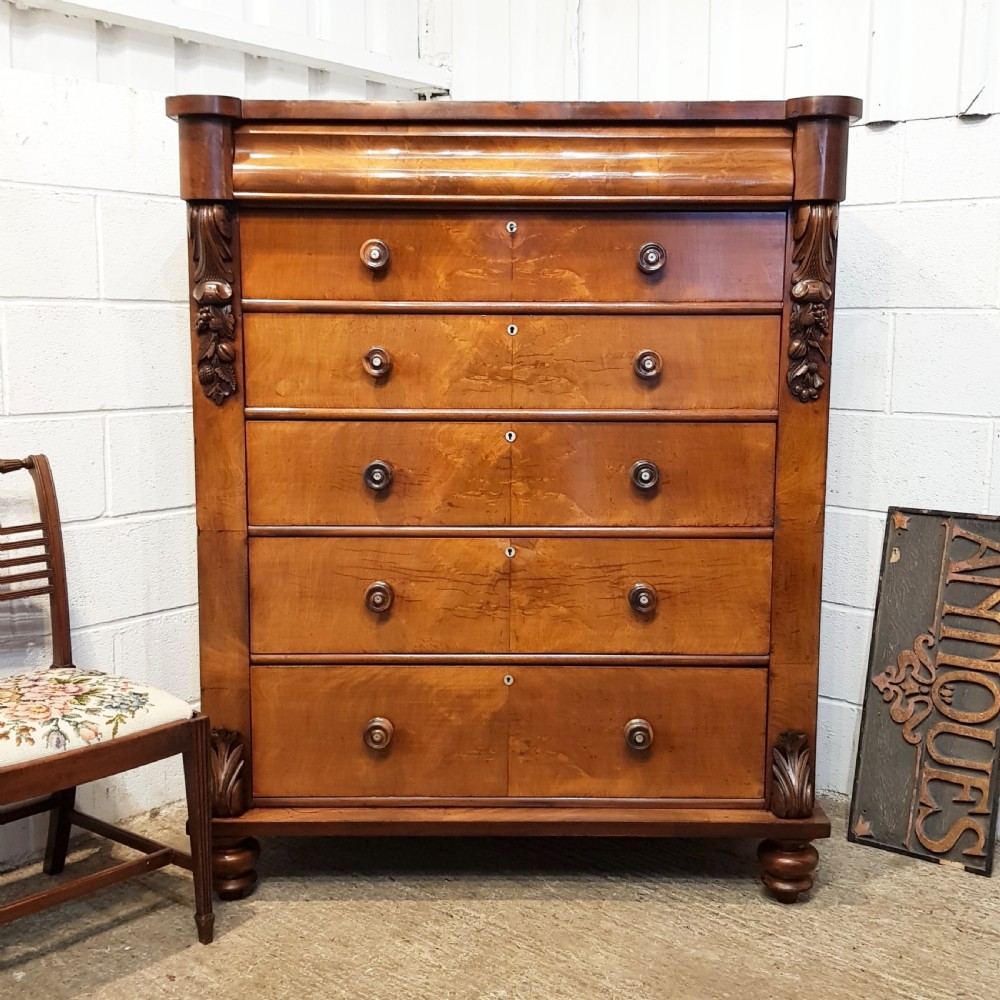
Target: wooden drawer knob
x=652, y=258
x=378, y=475
x=377, y=362
x=378, y=733
x=642, y=598
x=644, y=475
x=375, y=255
x=378, y=597
x=638, y=734
x=648, y=365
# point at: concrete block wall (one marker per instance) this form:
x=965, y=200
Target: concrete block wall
x=916, y=373
x=95, y=367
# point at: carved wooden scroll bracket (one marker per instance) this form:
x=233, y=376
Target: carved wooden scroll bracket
x=210, y=233
x=792, y=795
x=814, y=231
x=227, y=752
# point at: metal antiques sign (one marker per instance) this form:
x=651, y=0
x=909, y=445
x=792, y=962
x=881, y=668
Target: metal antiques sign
x=926, y=780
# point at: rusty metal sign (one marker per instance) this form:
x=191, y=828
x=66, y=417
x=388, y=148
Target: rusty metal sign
x=926, y=780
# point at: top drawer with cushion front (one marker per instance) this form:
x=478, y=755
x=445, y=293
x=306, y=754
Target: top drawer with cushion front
x=519, y=256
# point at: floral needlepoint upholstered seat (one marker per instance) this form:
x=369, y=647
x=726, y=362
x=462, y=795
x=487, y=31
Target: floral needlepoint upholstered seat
x=47, y=711
x=66, y=726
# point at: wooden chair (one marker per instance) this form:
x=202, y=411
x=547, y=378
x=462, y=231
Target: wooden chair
x=64, y=726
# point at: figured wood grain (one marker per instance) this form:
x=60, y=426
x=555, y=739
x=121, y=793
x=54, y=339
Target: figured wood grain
x=710, y=255
x=469, y=255
x=579, y=474
x=449, y=731
x=307, y=594
x=311, y=472
x=539, y=821
x=313, y=360
x=570, y=595
x=578, y=747
x=358, y=163
x=587, y=361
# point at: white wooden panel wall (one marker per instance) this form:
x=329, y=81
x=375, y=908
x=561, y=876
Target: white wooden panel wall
x=907, y=59
x=133, y=44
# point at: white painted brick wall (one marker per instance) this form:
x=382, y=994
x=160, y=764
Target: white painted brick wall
x=93, y=319
x=94, y=337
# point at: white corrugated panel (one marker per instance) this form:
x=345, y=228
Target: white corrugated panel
x=828, y=48
x=136, y=59
x=609, y=50
x=481, y=37
x=272, y=79
x=542, y=67
x=205, y=69
x=53, y=43
x=673, y=50
x=747, y=50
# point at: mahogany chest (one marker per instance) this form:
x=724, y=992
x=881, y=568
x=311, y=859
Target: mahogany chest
x=510, y=429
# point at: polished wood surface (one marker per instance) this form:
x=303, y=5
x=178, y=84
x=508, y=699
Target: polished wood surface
x=312, y=472
x=307, y=594
x=579, y=747
x=559, y=362
x=551, y=595
x=630, y=292
x=450, y=473
x=571, y=595
x=471, y=255
x=309, y=360
x=579, y=474
x=356, y=163
x=708, y=362
x=449, y=731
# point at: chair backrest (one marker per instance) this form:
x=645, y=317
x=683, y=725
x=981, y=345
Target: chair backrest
x=32, y=561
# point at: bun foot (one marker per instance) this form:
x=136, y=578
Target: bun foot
x=787, y=867
x=233, y=875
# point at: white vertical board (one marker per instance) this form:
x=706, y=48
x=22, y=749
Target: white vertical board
x=979, y=85
x=327, y=86
x=609, y=50
x=435, y=43
x=136, y=59
x=673, y=50
x=205, y=69
x=747, y=50
x=4, y=35
x=916, y=59
x=272, y=79
x=828, y=48
x=53, y=43
x=338, y=22
x=539, y=45
x=220, y=8
x=392, y=27
x=481, y=34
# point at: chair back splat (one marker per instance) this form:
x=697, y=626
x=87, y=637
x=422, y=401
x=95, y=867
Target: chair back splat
x=32, y=559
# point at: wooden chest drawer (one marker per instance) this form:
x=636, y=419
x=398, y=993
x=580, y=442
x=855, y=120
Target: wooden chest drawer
x=519, y=731
x=561, y=595
x=448, y=736
x=567, y=732
x=474, y=362
x=377, y=472
x=553, y=473
x=518, y=256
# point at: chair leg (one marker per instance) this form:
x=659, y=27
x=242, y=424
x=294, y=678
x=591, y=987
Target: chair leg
x=197, y=781
x=59, y=827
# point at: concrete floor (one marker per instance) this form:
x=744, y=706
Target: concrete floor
x=518, y=920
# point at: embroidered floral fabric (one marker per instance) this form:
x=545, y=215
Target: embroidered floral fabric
x=47, y=711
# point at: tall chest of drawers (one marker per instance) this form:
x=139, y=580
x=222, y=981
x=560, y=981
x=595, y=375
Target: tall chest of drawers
x=510, y=432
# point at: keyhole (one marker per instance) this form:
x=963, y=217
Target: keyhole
x=512, y=227
x=510, y=437
x=512, y=330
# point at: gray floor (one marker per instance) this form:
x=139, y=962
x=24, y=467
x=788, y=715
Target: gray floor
x=506, y=920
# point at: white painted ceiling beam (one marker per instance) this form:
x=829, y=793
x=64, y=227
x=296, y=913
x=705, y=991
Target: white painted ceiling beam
x=190, y=25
